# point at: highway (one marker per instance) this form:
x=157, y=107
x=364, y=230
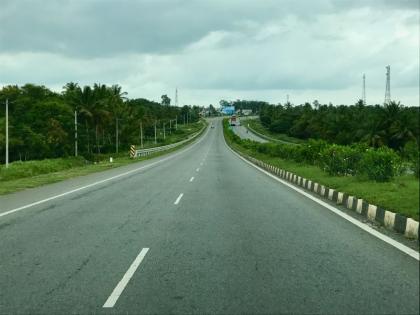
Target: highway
x=241, y=131
x=196, y=231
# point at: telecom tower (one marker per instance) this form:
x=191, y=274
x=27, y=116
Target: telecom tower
x=388, y=85
x=364, y=90
x=176, y=97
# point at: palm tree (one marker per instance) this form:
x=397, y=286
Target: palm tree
x=395, y=125
x=116, y=104
x=86, y=100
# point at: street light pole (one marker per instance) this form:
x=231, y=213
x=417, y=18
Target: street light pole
x=141, y=134
x=155, y=132
x=7, y=133
x=75, y=133
x=164, y=135
x=116, y=135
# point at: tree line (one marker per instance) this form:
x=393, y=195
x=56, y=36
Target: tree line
x=42, y=122
x=391, y=124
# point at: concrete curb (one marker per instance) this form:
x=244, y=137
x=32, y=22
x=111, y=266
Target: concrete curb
x=374, y=213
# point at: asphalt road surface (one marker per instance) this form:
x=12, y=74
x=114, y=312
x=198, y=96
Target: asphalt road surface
x=241, y=131
x=196, y=231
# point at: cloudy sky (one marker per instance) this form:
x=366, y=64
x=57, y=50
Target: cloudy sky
x=214, y=49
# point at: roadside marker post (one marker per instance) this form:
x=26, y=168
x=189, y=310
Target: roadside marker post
x=132, y=151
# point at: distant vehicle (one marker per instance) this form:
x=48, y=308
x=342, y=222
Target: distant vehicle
x=233, y=121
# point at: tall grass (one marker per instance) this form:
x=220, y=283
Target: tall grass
x=20, y=169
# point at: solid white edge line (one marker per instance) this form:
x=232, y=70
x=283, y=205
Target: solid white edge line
x=104, y=180
x=405, y=249
x=116, y=293
x=178, y=199
x=191, y=179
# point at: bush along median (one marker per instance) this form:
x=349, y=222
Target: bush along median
x=372, y=182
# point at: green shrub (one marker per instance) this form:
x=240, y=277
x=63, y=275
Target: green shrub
x=380, y=164
x=32, y=168
x=340, y=160
x=263, y=148
x=411, y=154
x=312, y=151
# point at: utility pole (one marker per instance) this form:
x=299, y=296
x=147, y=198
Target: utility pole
x=7, y=133
x=141, y=134
x=116, y=135
x=176, y=123
x=75, y=133
x=155, y=132
x=170, y=126
x=164, y=135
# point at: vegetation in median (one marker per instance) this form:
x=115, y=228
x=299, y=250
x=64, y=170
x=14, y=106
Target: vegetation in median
x=376, y=175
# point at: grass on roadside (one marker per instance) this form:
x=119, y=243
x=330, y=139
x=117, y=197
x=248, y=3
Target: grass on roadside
x=30, y=174
x=399, y=195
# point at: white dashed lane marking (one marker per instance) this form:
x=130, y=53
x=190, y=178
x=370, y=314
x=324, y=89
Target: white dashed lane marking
x=178, y=199
x=113, y=298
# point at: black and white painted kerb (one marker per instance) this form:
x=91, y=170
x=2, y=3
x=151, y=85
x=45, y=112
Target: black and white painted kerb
x=374, y=213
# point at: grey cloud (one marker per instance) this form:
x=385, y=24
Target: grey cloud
x=263, y=46
x=107, y=28
x=376, y=4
